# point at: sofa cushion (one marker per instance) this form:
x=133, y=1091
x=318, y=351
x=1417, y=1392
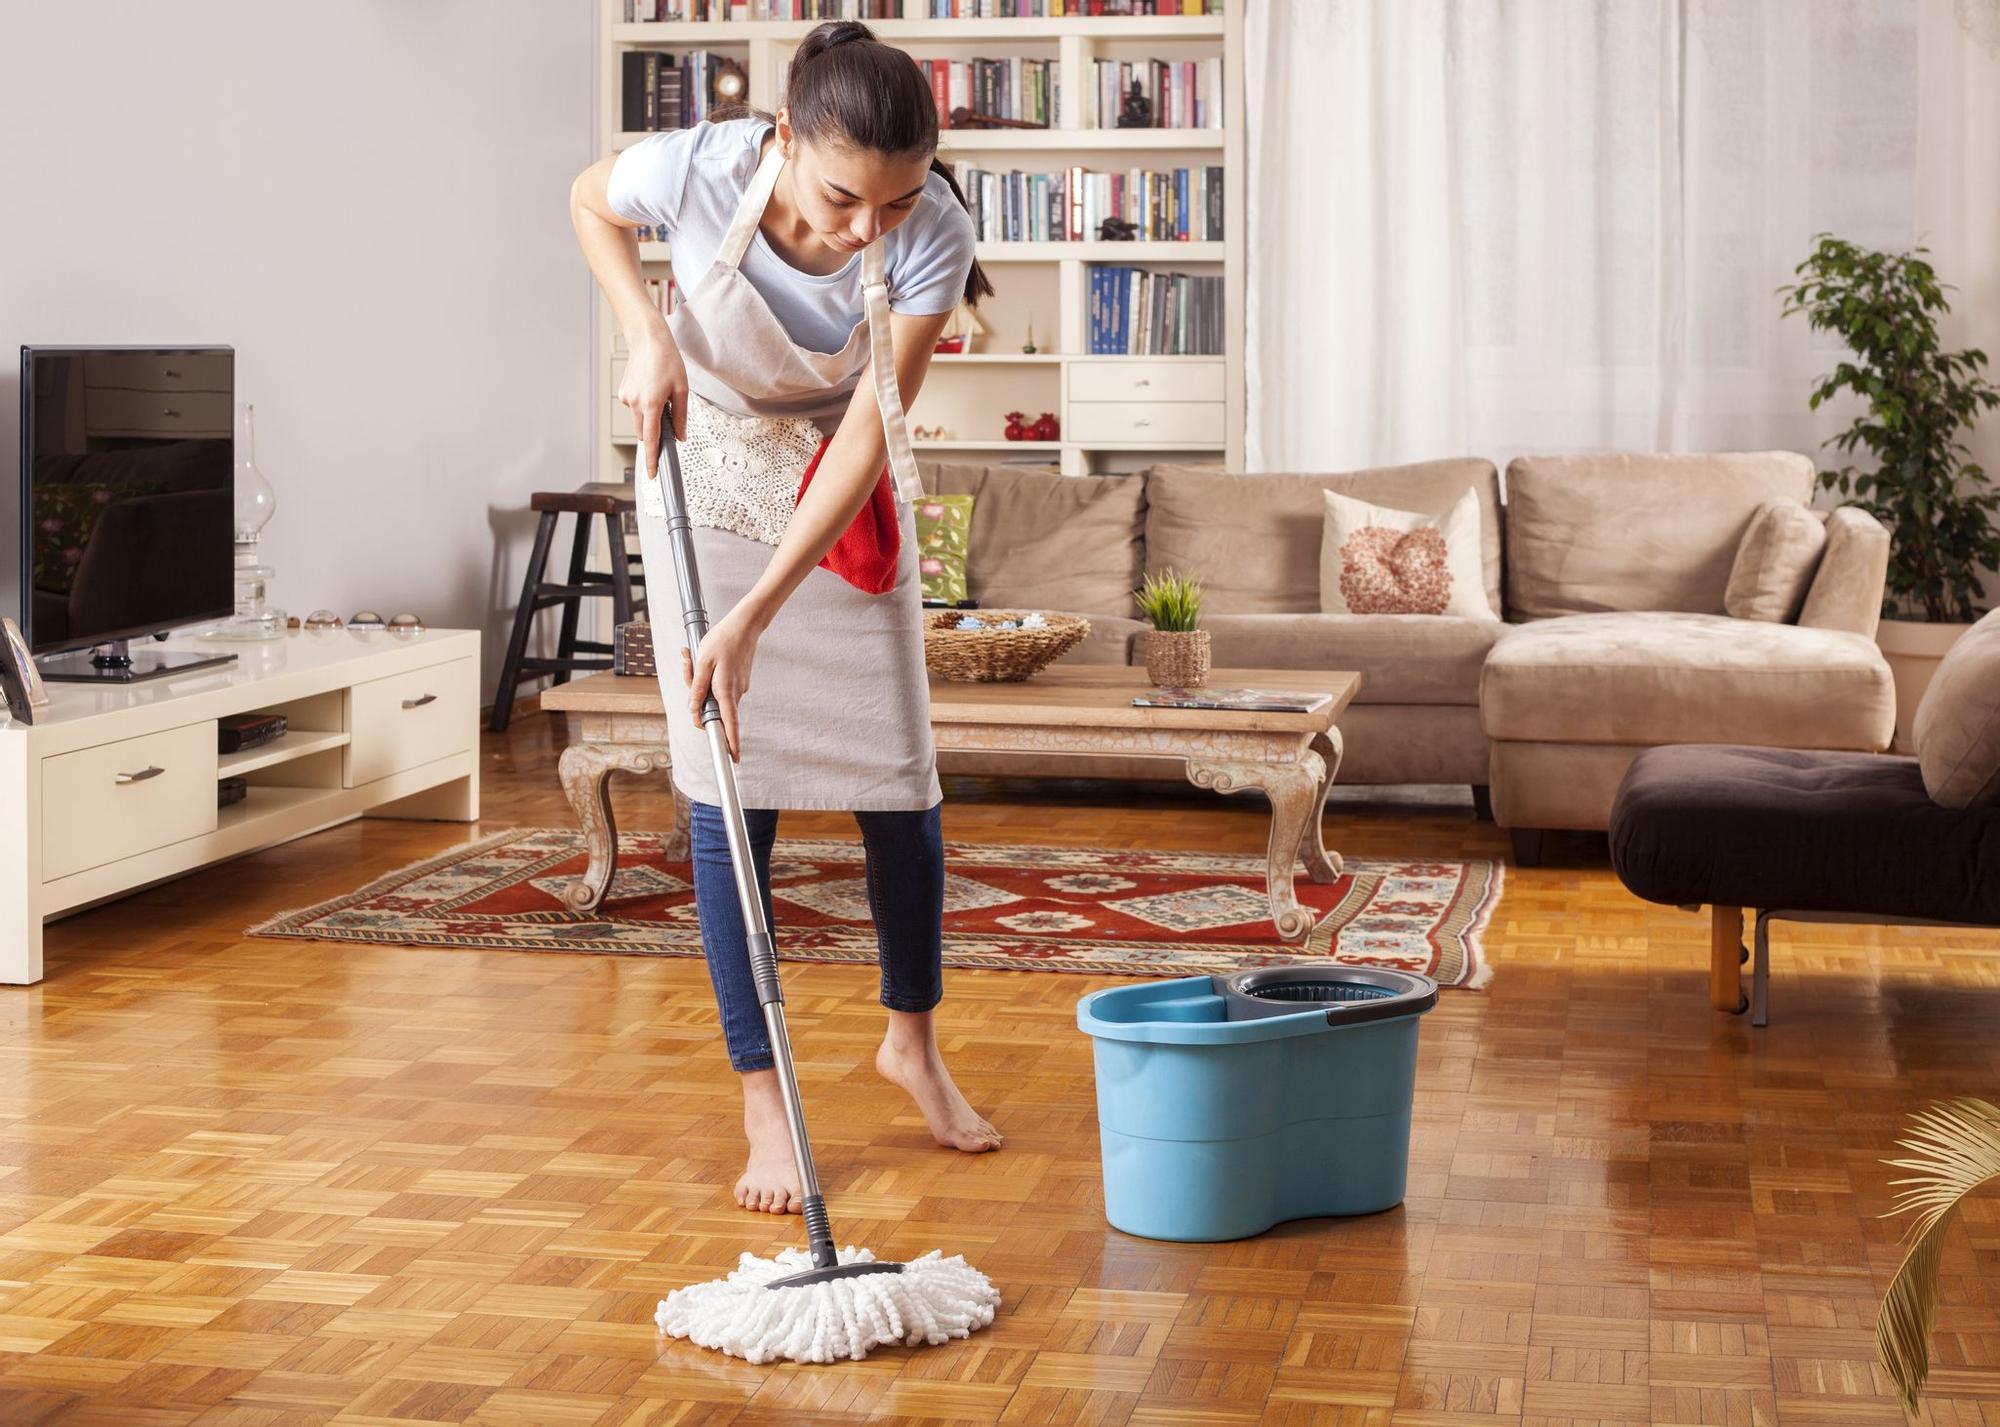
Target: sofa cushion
x=1047, y=541
x=1846, y=591
x=1957, y=728
x=1686, y=678
x=1775, y=562
x=1635, y=532
x=1402, y=658
x=1255, y=539
x=1109, y=640
x=1807, y=832
x=1374, y=560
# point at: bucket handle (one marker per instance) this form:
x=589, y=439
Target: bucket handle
x=1381, y=1008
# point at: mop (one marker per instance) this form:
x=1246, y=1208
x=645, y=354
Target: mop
x=816, y=1305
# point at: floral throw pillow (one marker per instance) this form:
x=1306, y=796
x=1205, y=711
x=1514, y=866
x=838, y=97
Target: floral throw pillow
x=944, y=531
x=1374, y=560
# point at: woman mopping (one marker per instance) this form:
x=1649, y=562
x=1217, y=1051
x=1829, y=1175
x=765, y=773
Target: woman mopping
x=820, y=257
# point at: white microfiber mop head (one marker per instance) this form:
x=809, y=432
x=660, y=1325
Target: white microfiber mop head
x=933, y=1300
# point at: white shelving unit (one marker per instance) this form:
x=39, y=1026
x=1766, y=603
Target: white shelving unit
x=1117, y=412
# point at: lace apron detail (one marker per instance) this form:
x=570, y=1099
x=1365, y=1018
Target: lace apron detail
x=741, y=472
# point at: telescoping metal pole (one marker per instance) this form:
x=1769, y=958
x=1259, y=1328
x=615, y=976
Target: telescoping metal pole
x=763, y=954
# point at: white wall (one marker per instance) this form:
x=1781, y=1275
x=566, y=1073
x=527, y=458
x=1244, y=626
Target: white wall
x=368, y=199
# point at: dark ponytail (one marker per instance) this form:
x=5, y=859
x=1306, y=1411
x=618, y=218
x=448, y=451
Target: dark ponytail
x=847, y=87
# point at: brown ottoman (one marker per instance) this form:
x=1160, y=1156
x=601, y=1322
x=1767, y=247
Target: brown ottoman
x=1801, y=835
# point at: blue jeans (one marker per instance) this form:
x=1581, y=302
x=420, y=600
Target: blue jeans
x=904, y=858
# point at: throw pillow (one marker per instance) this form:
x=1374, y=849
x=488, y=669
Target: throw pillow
x=1373, y=560
x=1775, y=562
x=944, y=531
x=1957, y=728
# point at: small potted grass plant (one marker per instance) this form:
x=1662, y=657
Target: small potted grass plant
x=1176, y=651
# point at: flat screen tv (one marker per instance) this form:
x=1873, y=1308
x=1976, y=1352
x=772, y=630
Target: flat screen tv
x=127, y=504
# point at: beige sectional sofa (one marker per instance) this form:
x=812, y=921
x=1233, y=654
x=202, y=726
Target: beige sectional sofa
x=1611, y=571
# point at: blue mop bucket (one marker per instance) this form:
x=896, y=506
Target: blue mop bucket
x=1227, y=1104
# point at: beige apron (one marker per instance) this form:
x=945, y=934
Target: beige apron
x=838, y=711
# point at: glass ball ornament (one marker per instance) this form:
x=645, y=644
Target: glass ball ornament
x=406, y=624
x=366, y=619
x=322, y=619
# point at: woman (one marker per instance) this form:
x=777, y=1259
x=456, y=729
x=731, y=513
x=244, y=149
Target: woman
x=820, y=256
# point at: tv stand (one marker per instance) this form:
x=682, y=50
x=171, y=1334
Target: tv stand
x=115, y=662
x=113, y=787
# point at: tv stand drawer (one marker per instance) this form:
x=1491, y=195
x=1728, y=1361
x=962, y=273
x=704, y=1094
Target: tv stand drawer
x=120, y=799
x=407, y=720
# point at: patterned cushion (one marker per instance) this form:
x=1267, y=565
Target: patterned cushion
x=944, y=532
x=1374, y=560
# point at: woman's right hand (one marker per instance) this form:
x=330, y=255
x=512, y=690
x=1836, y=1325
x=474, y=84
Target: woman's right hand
x=655, y=378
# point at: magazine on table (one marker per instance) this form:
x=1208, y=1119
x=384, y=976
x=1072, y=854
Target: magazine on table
x=1249, y=700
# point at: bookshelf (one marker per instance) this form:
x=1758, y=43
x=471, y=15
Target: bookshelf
x=1117, y=412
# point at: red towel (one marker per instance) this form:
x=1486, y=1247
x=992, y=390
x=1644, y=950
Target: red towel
x=865, y=555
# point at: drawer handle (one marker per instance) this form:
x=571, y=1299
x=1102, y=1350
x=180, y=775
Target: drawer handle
x=419, y=703
x=1143, y=421
x=1143, y=381
x=168, y=411
x=169, y=371
x=141, y=776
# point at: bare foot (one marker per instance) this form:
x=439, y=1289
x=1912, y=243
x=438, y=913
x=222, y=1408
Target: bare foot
x=919, y=1069
x=770, y=1182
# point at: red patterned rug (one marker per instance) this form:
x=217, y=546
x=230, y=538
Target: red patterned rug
x=1102, y=911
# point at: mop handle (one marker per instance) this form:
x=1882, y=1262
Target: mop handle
x=757, y=931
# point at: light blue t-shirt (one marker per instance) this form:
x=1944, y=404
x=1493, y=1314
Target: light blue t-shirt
x=687, y=183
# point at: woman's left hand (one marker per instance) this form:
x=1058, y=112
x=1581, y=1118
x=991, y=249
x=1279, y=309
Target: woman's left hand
x=723, y=669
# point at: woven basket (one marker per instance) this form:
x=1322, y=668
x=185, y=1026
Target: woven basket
x=994, y=656
x=1177, y=658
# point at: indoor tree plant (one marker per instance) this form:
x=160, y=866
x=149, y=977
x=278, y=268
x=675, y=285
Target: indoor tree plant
x=1919, y=401
x=1176, y=651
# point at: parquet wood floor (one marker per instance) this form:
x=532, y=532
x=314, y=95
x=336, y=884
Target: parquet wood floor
x=260, y=1183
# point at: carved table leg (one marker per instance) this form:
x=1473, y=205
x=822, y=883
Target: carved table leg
x=585, y=770
x=1321, y=865
x=1296, y=792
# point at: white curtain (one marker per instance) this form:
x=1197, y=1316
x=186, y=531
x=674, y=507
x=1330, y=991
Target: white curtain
x=1503, y=226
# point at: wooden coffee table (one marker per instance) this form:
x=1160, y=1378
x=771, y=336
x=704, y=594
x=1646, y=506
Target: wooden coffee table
x=1082, y=711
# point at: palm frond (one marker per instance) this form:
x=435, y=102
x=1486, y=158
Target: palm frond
x=1955, y=1148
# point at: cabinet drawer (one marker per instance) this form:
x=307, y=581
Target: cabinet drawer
x=120, y=799
x=115, y=411
x=1129, y=380
x=1144, y=421
x=407, y=720
x=152, y=371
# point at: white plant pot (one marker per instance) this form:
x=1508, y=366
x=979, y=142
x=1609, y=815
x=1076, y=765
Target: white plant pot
x=1913, y=648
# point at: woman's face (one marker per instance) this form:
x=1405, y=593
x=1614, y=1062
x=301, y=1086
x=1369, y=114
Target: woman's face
x=850, y=197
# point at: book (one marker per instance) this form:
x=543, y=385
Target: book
x=1137, y=312
x=1247, y=700
x=736, y=11
x=1165, y=205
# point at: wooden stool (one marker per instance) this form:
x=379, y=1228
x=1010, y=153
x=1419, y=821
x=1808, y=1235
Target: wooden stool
x=573, y=655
